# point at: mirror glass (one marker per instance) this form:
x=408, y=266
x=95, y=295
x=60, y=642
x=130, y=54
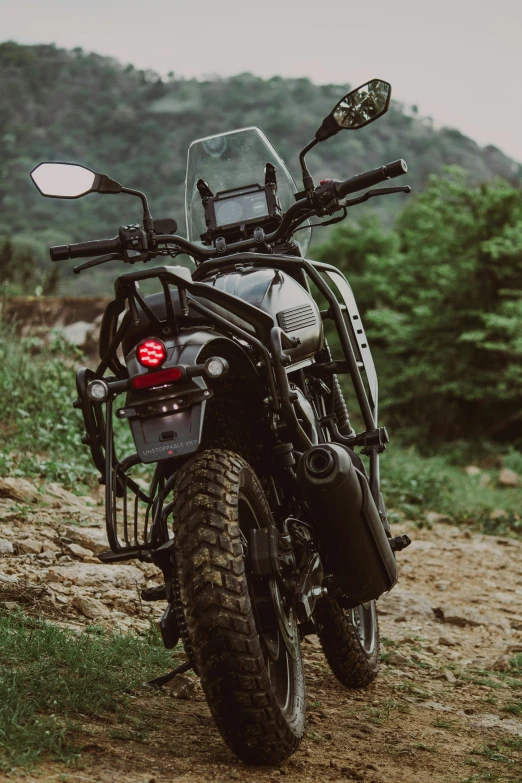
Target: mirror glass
x=363, y=105
x=63, y=180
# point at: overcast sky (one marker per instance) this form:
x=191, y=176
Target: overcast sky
x=460, y=61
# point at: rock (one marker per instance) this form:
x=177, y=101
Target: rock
x=447, y=641
x=435, y=705
x=87, y=574
x=508, y=478
x=55, y=491
x=90, y=607
x=490, y=721
x=183, y=687
x=498, y=513
x=501, y=664
x=57, y=587
x=405, y=603
x=462, y=616
x=18, y=489
x=11, y=579
x=396, y=658
x=433, y=518
x=29, y=546
x=92, y=538
x=76, y=333
x=80, y=551
x=448, y=675
x=50, y=546
x=514, y=648
x=484, y=480
x=472, y=470
x=6, y=547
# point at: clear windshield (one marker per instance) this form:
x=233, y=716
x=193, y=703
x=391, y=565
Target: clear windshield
x=233, y=160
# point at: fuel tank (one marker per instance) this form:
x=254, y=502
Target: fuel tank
x=272, y=290
x=347, y=522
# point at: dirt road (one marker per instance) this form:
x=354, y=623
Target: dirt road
x=447, y=705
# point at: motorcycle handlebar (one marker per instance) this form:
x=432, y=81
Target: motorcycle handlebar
x=85, y=249
x=370, y=178
x=298, y=211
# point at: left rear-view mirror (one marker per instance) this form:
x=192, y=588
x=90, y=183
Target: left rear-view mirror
x=64, y=180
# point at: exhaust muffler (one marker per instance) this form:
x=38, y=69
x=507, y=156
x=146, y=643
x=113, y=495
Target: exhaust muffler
x=355, y=548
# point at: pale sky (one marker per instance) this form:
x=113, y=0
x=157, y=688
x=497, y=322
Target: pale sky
x=459, y=61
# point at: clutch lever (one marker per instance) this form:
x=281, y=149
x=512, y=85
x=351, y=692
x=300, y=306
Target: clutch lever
x=376, y=192
x=94, y=262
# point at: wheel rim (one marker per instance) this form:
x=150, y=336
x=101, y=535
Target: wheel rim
x=277, y=627
x=364, y=621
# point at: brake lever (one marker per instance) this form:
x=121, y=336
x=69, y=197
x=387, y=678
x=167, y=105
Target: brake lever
x=94, y=262
x=376, y=192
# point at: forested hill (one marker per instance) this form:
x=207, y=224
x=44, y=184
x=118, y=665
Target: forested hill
x=70, y=105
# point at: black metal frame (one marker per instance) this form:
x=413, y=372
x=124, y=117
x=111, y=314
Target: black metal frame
x=269, y=341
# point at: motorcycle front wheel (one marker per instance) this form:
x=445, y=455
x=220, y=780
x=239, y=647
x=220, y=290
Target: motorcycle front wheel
x=350, y=641
x=245, y=640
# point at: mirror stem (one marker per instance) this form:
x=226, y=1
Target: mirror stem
x=308, y=182
x=147, y=217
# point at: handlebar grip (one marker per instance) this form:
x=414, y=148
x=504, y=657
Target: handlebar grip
x=91, y=249
x=369, y=178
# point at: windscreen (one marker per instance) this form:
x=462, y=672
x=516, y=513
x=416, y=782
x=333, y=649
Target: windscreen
x=234, y=160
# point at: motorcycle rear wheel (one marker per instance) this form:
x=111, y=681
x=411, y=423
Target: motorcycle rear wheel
x=247, y=653
x=350, y=641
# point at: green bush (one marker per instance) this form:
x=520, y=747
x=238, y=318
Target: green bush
x=442, y=304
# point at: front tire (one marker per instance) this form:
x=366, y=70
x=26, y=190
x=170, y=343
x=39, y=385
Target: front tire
x=254, y=686
x=350, y=641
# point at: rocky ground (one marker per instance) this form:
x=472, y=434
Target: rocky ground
x=447, y=705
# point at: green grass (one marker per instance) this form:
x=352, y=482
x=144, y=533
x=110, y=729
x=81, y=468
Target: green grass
x=413, y=484
x=52, y=678
x=40, y=431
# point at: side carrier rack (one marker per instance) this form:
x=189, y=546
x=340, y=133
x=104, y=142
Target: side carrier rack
x=136, y=517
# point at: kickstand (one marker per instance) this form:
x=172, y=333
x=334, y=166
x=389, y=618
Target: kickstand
x=159, y=682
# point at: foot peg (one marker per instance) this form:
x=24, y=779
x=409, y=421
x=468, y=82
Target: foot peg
x=399, y=543
x=154, y=593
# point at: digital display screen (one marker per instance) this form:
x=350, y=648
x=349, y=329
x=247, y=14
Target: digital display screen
x=241, y=207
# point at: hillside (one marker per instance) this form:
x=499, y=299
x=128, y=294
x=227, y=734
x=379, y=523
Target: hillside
x=71, y=105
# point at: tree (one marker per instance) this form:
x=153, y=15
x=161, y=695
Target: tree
x=443, y=294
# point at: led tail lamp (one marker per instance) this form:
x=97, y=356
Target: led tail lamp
x=151, y=353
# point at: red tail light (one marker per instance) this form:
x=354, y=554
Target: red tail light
x=151, y=353
x=156, y=378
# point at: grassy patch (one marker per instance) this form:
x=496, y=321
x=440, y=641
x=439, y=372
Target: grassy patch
x=40, y=432
x=413, y=484
x=50, y=678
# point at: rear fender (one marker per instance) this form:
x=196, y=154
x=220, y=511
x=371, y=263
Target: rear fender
x=167, y=422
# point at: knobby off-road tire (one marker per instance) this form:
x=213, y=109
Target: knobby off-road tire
x=216, y=493
x=350, y=642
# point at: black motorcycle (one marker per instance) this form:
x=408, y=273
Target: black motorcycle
x=232, y=396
